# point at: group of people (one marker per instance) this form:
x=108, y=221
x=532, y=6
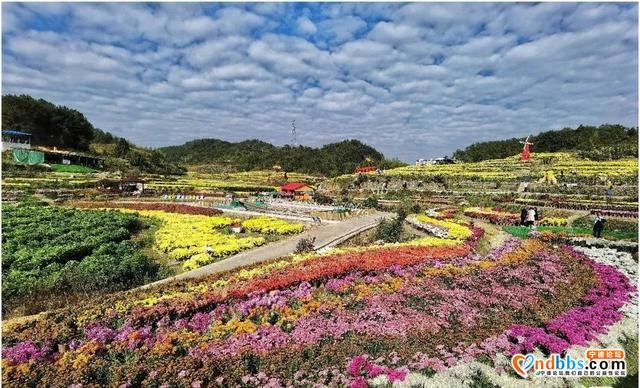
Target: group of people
x=529, y=217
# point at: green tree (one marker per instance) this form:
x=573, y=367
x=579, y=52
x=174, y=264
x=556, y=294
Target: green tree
x=122, y=148
x=49, y=124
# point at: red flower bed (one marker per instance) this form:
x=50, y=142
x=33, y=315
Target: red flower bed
x=167, y=207
x=311, y=270
x=616, y=213
x=494, y=216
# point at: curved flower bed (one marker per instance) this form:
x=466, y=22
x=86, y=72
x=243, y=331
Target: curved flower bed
x=439, y=228
x=443, y=213
x=269, y=225
x=337, y=319
x=493, y=216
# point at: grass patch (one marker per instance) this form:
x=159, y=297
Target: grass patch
x=71, y=168
x=523, y=232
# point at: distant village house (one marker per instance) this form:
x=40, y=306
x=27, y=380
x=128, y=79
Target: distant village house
x=297, y=191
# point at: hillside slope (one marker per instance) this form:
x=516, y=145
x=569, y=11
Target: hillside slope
x=331, y=159
x=605, y=142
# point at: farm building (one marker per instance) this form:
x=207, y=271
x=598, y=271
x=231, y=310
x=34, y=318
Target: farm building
x=53, y=155
x=365, y=169
x=132, y=185
x=296, y=190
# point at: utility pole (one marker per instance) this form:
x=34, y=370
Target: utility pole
x=294, y=134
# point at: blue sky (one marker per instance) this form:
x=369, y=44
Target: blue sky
x=414, y=80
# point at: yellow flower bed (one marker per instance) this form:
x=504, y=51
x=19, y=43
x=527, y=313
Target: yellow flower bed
x=554, y=221
x=512, y=167
x=269, y=225
x=456, y=230
x=196, y=239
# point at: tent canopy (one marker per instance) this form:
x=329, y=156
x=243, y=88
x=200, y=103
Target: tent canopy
x=13, y=132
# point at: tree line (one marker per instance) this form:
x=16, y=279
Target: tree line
x=331, y=159
x=59, y=126
x=605, y=142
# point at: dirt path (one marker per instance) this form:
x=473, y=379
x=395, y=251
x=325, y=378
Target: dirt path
x=326, y=236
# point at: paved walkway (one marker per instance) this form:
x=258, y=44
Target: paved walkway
x=326, y=236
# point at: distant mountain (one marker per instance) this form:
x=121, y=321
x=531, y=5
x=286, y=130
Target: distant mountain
x=331, y=159
x=598, y=143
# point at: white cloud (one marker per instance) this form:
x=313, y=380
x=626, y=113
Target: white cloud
x=342, y=29
x=306, y=26
x=413, y=80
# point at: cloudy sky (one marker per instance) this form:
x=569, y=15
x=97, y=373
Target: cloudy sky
x=413, y=80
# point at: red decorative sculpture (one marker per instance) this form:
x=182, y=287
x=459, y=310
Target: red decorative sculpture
x=526, y=151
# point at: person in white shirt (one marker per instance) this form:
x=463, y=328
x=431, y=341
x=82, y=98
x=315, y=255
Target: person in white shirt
x=531, y=217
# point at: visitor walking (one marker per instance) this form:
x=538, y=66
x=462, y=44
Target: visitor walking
x=598, y=225
x=531, y=217
x=609, y=191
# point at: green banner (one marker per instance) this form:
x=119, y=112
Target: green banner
x=28, y=156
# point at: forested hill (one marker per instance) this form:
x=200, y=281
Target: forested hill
x=68, y=129
x=49, y=124
x=599, y=143
x=331, y=159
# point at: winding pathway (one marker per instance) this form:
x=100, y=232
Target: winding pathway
x=326, y=235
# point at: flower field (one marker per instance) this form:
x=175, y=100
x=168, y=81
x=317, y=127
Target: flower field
x=511, y=168
x=267, y=225
x=626, y=209
x=51, y=250
x=162, y=206
x=493, y=216
x=232, y=181
x=402, y=313
x=197, y=240
x=439, y=227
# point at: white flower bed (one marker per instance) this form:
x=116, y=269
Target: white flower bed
x=602, y=243
x=429, y=228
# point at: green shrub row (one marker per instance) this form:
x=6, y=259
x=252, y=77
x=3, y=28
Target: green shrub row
x=50, y=249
